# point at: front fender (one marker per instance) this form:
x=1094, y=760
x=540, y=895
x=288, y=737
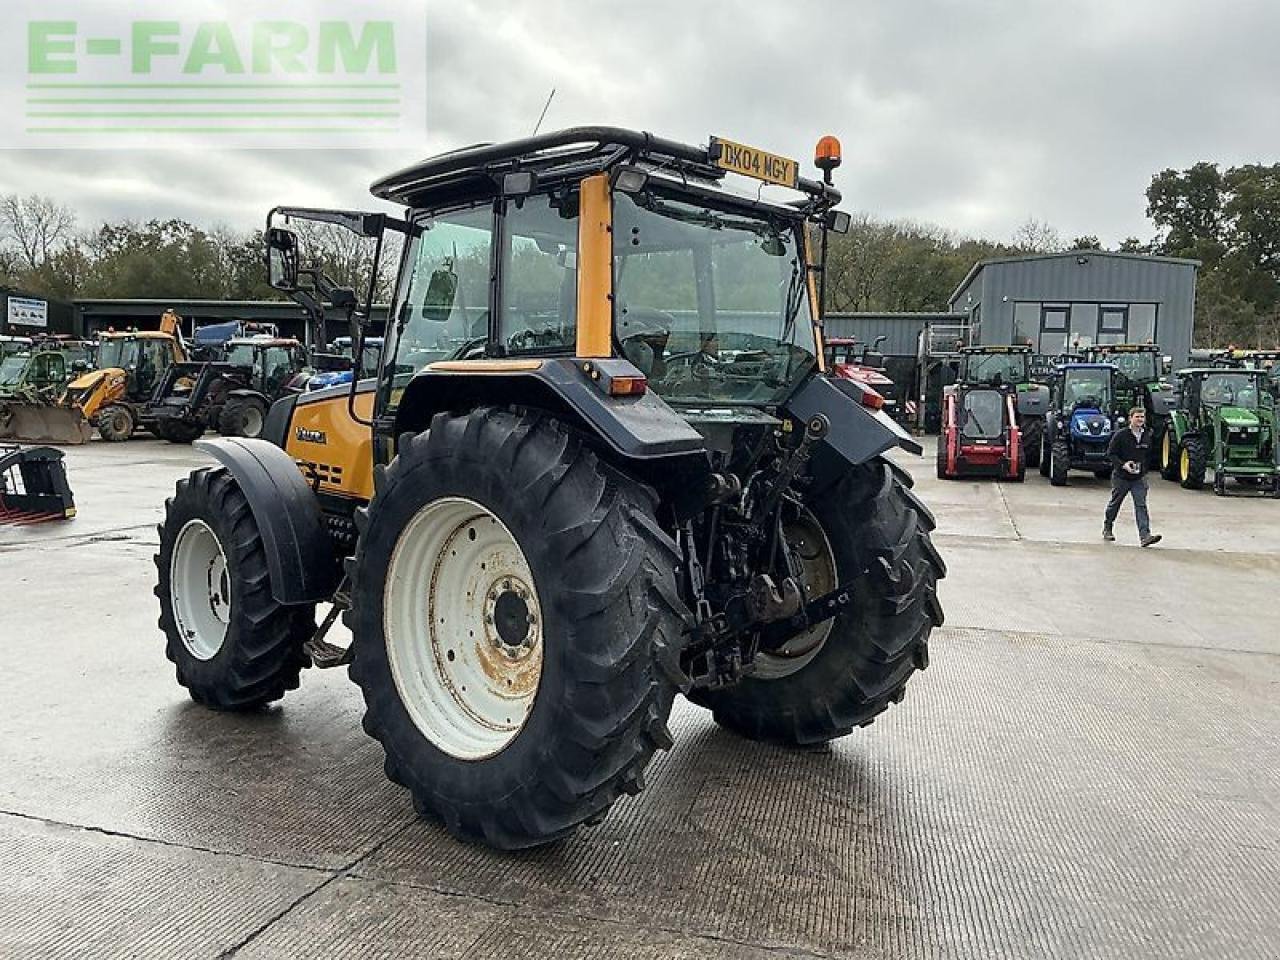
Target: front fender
x=300, y=557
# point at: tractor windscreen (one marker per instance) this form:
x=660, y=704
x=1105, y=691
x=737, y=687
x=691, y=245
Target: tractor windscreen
x=1138, y=367
x=119, y=352
x=241, y=354
x=982, y=417
x=1087, y=388
x=11, y=369
x=1233, y=390
x=711, y=304
x=997, y=369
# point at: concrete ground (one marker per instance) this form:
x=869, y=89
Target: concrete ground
x=1089, y=768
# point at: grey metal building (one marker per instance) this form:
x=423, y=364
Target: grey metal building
x=1059, y=302
x=901, y=330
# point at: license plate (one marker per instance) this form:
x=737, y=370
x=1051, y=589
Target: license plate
x=757, y=164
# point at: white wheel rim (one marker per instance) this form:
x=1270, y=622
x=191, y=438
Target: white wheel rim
x=810, y=546
x=200, y=590
x=252, y=422
x=463, y=628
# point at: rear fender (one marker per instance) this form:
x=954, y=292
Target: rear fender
x=857, y=433
x=642, y=427
x=300, y=556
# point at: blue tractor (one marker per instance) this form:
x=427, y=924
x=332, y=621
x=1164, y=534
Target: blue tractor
x=1082, y=416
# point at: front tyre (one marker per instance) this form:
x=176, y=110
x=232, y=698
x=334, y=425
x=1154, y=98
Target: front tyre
x=234, y=647
x=115, y=423
x=1033, y=441
x=515, y=626
x=1059, y=462
x=843, y=673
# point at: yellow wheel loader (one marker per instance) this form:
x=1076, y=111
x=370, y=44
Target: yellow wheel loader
x=601, y=465
x=114, y=397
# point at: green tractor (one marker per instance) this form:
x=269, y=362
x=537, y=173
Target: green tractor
x=1141, y=382
x=1225, y=420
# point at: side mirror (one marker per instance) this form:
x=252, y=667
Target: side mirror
x=282, y=259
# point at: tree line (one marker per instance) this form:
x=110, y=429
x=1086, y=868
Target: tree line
x=1229, y=219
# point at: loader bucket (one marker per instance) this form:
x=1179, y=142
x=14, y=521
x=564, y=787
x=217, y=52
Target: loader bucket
x=43, y=423
x=33, y=486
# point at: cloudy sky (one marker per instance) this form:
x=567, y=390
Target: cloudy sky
x=973, y=115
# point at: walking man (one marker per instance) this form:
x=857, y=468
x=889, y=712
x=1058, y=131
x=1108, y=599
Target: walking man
x=1129, y=450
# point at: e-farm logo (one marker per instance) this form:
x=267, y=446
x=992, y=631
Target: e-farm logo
x=262, y=73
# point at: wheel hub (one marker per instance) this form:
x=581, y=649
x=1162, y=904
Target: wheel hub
x=507, y=612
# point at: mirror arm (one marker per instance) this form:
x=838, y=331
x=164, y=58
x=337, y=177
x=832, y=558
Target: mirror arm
x=357, y=334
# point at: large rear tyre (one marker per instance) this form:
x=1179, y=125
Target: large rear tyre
x=1059, y=462
x=1192, y=462
x=1169, y=454
x=115, y=423
x=234, y=647
x=243, y=417
x=516, y=627
x=1032, y=441
x=843, y=673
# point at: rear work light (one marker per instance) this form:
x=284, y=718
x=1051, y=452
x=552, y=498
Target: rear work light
x=871, y=398
x=615, y=378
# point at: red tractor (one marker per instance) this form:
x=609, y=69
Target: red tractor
x=980, y=433
x=847, y=359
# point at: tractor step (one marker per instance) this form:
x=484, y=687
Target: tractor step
x=33, y=486
x=322, y=653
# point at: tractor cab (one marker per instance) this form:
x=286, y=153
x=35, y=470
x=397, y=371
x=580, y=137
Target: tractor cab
x=143, y=356
x=41, y=373
x=995, y=366
x=270, y=364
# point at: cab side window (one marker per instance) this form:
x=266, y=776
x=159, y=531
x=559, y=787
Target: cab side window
x=540, y=275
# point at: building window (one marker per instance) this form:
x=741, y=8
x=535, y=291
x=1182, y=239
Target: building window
x=1026, y=323
x=1052, y=328
x=1142, y=323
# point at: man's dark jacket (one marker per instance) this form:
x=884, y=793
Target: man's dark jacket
x=1124, y=446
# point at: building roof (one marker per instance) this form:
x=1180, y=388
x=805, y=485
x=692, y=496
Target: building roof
x=977, y=267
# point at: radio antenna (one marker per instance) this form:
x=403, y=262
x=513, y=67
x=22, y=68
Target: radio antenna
x=542, y=116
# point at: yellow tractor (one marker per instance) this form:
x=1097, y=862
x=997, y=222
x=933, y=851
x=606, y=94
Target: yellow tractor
x=113, y=398
x=601, y=464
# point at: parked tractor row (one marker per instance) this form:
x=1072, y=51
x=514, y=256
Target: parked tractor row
x=155, y=380
x=998, y=420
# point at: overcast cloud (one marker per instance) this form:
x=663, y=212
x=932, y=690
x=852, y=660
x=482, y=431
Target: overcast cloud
x=974, y=116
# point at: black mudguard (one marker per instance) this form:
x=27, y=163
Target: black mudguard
x=299, y=552
x=858, y=433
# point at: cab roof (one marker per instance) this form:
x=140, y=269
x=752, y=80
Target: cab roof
x=567, y=154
